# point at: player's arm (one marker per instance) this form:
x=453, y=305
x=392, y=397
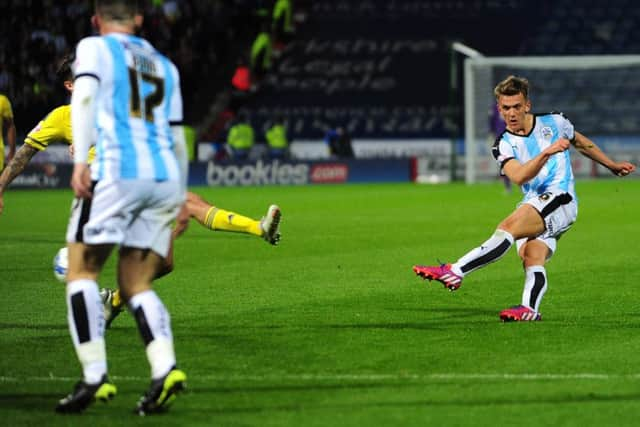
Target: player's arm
x=86, y=88
x=589, y=149
x=83, y=112
x=16, y=165
x=15, y=168
x=520, y=173
x=180, y=149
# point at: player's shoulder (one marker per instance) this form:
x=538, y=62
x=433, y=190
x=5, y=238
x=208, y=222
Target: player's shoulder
x=89, y=42
x=55, y=121
x=164, y=58
x=63, y=110
x=555, y=114
x=5, y=108
x=59, y=113
x=500, y=137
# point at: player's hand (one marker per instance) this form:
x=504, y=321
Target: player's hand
x=559, y=146
x=182, y=221
x=1, y=203
x=81, y=181
x=623, y=168
x=71, y=151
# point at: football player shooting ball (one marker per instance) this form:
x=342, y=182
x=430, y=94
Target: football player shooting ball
x=532, y=152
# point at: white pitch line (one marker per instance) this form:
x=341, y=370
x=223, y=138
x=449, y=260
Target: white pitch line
x=354, y=377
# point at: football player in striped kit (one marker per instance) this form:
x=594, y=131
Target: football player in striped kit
x=128, y=94
x=56, y=128
x=533, y=153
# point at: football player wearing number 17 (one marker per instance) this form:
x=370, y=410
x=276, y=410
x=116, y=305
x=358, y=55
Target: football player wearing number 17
x=128, y=198
x=56, y=128
x=532, y=152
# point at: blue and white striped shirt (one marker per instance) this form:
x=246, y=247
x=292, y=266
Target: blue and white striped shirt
x=138, y=99
x=556, y=175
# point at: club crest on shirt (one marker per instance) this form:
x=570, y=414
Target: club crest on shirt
x=546, y=133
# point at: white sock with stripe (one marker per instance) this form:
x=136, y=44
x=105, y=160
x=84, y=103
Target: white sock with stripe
x=154, y=324
x=490, y=251
x=535, y=286
x=85, y=316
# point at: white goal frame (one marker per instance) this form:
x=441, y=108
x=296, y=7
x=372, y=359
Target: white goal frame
x=476, y=61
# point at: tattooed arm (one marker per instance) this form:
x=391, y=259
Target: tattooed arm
x=15, y=168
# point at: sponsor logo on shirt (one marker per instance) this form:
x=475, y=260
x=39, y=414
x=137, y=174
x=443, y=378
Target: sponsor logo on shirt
x=546, y=133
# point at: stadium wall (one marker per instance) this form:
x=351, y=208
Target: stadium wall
x=423, y=163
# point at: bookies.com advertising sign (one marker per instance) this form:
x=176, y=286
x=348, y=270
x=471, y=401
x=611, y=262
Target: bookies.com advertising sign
x=277, y=172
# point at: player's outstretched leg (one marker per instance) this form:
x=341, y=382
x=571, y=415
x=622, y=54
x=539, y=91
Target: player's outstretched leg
x=451, y=275
x=442, y=273
x=218, y=219
x=161, y=393
x=270, y=225
x=112, y=303
x=85, y=394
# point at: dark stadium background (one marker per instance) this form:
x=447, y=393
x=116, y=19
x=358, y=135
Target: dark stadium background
x=323, y=77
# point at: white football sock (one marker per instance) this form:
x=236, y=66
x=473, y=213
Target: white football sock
x=85, y=317
x=154, y=324
x=490, y=251
x=535, y=286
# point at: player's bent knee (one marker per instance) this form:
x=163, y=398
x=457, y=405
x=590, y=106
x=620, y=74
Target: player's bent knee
x=165, y=268
x=533, y=253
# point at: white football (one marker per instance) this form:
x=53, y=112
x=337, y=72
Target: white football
x=60, y=264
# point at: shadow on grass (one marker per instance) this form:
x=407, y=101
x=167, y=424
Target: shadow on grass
x=36, y=402
x=18, y=326
x=488, y=402
x=433, y=321
x=450, y=311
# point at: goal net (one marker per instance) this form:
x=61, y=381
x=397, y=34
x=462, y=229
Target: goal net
x=599, y=94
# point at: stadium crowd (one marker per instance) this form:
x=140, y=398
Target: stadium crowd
x=199, y=36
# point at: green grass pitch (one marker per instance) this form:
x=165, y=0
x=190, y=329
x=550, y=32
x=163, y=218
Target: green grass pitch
x=331, y=328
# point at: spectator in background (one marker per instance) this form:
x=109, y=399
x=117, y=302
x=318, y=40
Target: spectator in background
x=240, y=138
x=261, y=52
x=198, y=36
x=6, y=124
x=281, y=24
x=240, y=84
x=339, y=142
x=241, y=80
x=277, y=139
x=5, y=79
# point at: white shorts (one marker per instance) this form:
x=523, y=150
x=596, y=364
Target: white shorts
x=130, y=213
x=558, y=211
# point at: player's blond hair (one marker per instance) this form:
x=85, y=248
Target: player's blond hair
x=512, y=85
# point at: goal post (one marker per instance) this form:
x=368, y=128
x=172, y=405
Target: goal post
x=600, y=94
